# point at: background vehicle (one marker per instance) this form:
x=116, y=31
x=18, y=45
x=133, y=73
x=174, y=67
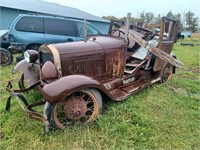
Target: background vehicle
x=31, y=31
x=4, y=39
x=6, y=55
x=185, y=34
x=74, y=77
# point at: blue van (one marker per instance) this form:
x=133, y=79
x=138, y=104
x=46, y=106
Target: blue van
x=31, y=31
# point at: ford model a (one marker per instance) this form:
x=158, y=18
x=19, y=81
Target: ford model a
x=74, y=77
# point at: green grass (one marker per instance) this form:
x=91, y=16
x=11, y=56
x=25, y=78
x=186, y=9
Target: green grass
x=163, y=116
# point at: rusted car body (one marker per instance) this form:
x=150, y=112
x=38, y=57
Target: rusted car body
x=73, y=77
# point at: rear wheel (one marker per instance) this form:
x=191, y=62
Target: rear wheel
x=80, y=107
x=166, y=73
x=6, y=57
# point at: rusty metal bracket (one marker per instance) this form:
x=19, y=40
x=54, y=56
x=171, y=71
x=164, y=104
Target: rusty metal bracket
x=27, y=108
x=20, y=96
x=9, y=88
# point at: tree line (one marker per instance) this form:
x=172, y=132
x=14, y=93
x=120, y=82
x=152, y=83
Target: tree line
x=187, y=21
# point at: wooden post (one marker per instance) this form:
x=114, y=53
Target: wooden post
x=127, y=27
x=85, y=30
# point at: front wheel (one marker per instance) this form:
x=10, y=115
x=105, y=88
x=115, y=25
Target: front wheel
x=80, y=107
x=6, y=57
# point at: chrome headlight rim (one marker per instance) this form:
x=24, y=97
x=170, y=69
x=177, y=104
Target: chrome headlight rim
x=27, y=56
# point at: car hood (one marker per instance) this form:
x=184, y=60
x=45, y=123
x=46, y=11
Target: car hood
x=93, y=43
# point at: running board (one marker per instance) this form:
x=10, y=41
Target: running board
x=126, y=91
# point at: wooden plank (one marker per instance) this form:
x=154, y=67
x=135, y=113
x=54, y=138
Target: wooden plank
x=156, y=51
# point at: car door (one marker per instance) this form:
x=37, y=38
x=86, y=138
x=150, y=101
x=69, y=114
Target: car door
x=59, y=30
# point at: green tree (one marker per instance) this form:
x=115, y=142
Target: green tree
x=150, y=18
x=142, y=17
x=191, y=21
x=170, y=14
x=178, y=17
x=147, y=18
x=158, y=19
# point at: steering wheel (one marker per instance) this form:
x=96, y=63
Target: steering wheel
x=119, y=33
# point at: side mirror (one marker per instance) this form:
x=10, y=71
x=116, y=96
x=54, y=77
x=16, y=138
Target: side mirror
x=31, y=56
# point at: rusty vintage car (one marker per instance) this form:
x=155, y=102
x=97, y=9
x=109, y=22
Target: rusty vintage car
x=74, y=77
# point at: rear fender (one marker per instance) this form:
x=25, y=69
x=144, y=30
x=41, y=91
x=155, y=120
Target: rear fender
x=57, y=90
x=30, y=71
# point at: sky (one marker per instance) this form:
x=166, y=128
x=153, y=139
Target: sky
x=120, y=8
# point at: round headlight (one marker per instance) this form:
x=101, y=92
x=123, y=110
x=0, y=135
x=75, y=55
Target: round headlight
x=31, y=56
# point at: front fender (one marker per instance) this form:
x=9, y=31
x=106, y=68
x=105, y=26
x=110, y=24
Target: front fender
x=57, y=90
x=30, y=71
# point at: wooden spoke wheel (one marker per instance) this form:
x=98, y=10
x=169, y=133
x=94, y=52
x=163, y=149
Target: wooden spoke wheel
x=80, y=107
